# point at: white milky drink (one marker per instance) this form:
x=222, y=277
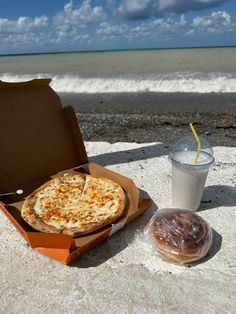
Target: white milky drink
x=188, y=179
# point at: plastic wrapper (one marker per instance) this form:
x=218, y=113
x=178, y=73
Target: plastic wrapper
x=179, y=236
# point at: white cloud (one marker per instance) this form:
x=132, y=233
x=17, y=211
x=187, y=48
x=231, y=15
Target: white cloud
x=109, y=30
x=138, y=9
x=88, y=26
x=160, y=28
x=79, y=16
x=216, y=23
x=23, y=32
x=135, y=9
x=68, y=27
x=155, y=30
x=23, y=24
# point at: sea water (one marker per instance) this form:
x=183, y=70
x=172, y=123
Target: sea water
x=200, y=70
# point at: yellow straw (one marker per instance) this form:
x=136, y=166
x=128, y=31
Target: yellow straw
x=198, y=143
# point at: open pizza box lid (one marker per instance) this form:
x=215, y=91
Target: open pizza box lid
x=39, y=139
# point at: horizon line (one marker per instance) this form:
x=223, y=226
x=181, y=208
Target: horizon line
x=113, y=50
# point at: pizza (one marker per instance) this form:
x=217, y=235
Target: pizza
x=74, y=204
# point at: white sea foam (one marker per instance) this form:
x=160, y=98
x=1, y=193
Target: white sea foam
x=173, y=82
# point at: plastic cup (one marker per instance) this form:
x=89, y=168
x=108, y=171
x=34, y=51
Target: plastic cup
x=188, y=178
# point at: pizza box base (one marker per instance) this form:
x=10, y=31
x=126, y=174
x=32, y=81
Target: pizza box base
x=41, y=139
x=64, y=248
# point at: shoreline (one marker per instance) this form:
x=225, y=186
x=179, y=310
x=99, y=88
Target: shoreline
x=150, y=117
x=149, y=102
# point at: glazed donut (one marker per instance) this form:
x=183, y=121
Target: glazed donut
x=181, y=236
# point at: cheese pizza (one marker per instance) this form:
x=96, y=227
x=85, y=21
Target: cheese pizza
x=74, y=204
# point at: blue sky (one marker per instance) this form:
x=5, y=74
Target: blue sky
x=28, y=26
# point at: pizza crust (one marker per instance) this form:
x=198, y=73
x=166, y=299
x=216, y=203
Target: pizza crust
x=32, y=219
x=106, y=197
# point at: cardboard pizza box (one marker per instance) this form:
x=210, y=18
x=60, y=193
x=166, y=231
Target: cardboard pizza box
x=39, y=140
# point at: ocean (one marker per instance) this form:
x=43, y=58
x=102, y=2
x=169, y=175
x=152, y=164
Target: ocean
x=191, y=70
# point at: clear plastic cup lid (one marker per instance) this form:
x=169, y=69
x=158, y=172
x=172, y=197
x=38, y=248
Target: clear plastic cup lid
x=185, y=149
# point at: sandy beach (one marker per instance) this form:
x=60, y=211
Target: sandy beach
x=147, y=117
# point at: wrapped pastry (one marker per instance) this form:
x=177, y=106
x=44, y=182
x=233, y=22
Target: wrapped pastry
x=180, y=236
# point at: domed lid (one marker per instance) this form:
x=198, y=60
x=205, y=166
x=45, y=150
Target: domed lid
x=184, y=152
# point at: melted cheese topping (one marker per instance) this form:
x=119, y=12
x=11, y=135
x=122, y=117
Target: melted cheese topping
x=72, y=201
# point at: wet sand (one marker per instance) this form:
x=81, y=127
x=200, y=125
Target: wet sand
x=149, y=117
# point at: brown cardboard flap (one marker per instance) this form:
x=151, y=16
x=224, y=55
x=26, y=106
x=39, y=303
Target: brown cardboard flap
x=60, y=255
x=34, y=82
x=53, y=241
x=32, y=236
x=39, y=139
x=63, y=247
x=37, y=136
x=79, y=147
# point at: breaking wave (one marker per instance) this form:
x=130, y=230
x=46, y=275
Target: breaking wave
x=174, y=82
